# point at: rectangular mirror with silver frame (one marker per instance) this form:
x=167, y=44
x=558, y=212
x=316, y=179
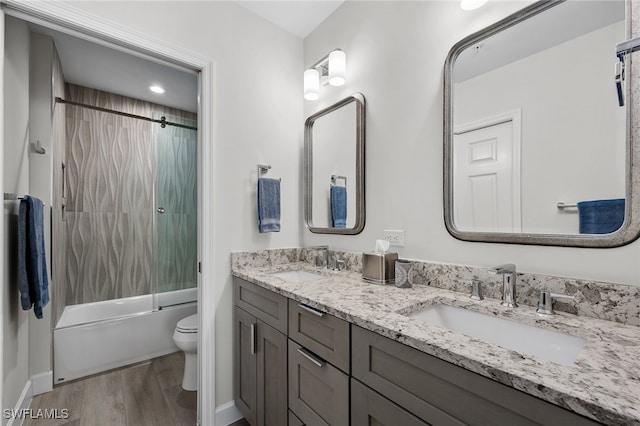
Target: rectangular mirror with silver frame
x=334, y=142
x=537, y=149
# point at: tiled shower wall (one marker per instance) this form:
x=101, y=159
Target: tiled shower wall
x=111, y=206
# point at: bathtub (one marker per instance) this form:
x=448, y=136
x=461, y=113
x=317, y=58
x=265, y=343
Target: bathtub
x=95, y=337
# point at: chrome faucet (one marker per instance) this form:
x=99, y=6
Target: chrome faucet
x=324, y=260
x=508, y=272
x=545, y=305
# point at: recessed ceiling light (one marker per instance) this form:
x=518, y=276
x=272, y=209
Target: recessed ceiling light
x=156, y=89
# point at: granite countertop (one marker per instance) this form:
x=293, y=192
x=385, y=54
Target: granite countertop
x=603, y=384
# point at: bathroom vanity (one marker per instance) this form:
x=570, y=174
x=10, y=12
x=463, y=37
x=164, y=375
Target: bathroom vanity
x=325, y=348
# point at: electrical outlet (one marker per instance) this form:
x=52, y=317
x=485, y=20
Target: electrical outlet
x=395, y=237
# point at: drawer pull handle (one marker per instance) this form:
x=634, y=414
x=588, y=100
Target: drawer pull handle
x=311, y=358
x=253, y=339
x=311, y=310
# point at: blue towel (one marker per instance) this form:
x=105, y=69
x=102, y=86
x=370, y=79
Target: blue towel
x=338, y=206
x=33, y=281
x=601, y=216
x=268, y=205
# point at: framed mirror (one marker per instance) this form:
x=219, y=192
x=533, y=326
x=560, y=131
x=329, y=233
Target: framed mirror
x=537, y=149
x=334, y=141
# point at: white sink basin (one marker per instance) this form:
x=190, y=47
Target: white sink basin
x=297, y=276
x=549, y=345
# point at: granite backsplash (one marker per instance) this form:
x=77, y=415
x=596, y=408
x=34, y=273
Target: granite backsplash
x=607, y=301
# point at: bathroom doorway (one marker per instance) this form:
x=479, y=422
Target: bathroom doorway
x=87, y=28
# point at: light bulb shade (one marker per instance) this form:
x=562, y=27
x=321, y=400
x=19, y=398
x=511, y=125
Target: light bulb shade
x=471, y=4
x=337, y=68
x=311, y=84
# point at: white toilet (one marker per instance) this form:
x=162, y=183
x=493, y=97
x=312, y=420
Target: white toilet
x=186, y=339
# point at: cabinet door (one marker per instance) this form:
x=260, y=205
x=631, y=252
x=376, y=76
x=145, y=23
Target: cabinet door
x=370, y=408
x=245, y=365
x=272, y=376
x=318, y=391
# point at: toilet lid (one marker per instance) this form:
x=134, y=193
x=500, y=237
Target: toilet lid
x=189, y=324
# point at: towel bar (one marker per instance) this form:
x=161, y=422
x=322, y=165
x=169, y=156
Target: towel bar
x=9, y=196
x=562, y=206
x=263, y=169
x=335, y=178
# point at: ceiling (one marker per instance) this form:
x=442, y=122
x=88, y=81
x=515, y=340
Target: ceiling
x=543, y=31
x=297, y=17
x=93, y=65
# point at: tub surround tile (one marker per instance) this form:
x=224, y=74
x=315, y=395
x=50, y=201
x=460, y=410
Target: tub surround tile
x=604, y=383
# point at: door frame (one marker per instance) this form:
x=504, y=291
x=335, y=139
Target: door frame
x=515, y=117
x=84, y=25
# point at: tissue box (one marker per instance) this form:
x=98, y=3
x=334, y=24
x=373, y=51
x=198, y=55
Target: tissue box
x=379, y=268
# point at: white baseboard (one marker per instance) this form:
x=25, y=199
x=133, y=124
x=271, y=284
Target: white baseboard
x=22, y=404
x=42, y=383
x=227, y=414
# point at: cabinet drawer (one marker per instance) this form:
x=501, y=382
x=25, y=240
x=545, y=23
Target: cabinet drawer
x=321, y=333
x=318, y=392
x=264, y=304
x=370, y=408
x=293, y=420
x=442, y=393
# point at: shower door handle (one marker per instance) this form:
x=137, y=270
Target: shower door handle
x=160, y=210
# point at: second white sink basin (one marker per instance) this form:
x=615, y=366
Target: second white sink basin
x=297, y=276
x=549, y=345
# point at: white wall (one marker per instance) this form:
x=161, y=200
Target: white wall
x=572, y=150
x=257, y=119
x=16, y=179
x=395, y=56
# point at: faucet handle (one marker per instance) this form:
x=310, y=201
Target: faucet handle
x=476, y=290
x=545, y=305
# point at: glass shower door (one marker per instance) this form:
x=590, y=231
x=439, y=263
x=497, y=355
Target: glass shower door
x=175, y=220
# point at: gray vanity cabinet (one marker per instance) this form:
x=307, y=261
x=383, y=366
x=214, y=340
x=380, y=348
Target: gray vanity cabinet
x=441, y=393
x=323, y=334
x=319, y=359
x=318, y=391
x=245, y=365
x=370, y=408
x=260, y=353
x=294, y=420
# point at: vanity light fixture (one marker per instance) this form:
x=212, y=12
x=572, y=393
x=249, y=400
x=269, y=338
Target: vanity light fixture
x=472, y=4
x=311, y=84
x=331, y=70
x=156, y=89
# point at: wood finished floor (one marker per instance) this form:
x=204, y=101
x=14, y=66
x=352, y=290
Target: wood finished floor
x=146, y=394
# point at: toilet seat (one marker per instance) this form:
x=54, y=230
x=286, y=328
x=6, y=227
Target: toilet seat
x=188, y=325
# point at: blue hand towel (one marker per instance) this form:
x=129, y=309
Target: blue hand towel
x=268, y=205
x=338, y=206
x=601, y=216
x=33, y=281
